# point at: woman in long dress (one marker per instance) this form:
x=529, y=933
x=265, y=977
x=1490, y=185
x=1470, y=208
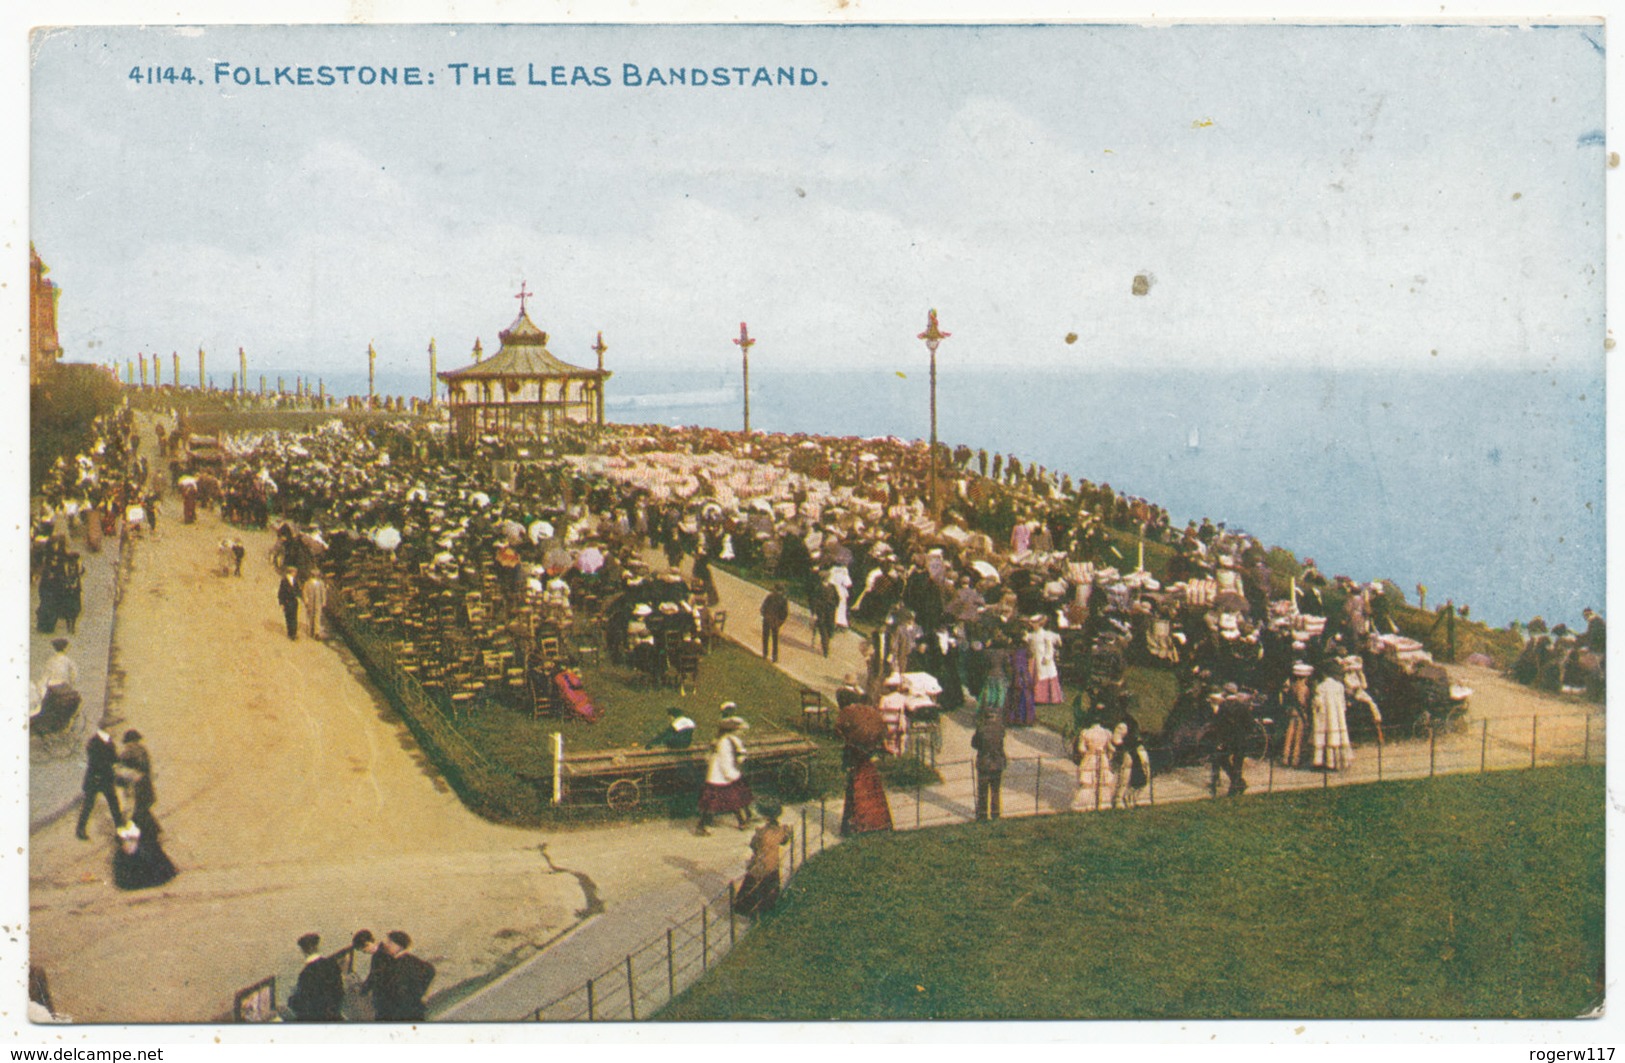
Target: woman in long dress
x=1095, y=779
x=841, y=580
x=139, y=862
x=1019, y=709
x=1130, y=763
x=864, y=731
x=996, y=687
x=760, y=890
x=725, y=788
x=1333, y=750
x=1045, y=647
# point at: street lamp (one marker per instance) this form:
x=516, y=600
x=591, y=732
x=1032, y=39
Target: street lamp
x=932, y=337
x=745, y=343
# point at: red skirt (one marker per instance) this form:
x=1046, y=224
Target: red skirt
x=730, y=798
x=866, y=808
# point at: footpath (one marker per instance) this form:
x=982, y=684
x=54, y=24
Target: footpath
x=54, y=781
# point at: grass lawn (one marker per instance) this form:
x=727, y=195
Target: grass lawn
x=1457, y=897
x=633, y=711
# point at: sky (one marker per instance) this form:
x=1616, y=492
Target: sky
x=1414, y=197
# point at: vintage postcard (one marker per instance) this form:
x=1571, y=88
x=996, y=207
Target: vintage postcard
x=676, y=523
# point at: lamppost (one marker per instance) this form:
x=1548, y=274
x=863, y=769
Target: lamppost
x=745, y=344
x=932, y=337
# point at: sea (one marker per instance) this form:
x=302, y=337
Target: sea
x=1487, y=486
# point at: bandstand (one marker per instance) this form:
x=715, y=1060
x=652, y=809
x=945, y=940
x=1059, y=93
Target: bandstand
x=522, y=391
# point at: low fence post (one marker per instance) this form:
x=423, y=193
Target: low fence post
x=1379, y=762
x=1534, y=734
x=1269, y=780
x=821, y=828
x=919, y=790
x=705, y=936
x=1484, y=748
x=631, y=991
x=1325, y=772
x=671, y=967
x=1433, y=745
x=803, y=835
x=1585, y=752
x=592, y=1008
x=733, y=896
x=1038, y=783
x=1151, y=784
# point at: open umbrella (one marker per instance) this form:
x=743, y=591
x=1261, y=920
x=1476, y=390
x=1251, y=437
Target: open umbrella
x=511, y=530
x=985, y=570
x=590, y=560
x=386, y=538
x=539, y=530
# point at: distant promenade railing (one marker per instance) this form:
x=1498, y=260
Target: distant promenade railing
x=651, y=976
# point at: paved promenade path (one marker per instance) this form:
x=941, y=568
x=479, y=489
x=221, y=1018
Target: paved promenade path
x=293, y=800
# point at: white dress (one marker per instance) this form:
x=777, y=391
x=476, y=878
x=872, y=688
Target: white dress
x=841, y=580
x=1332, y=747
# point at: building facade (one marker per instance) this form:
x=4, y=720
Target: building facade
x=44, y=350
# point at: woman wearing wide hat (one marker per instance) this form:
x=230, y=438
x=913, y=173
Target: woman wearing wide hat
x=725, y=788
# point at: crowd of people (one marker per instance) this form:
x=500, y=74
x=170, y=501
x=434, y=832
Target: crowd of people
x=1028, y=582
x=330, y=989
x=1558, y=660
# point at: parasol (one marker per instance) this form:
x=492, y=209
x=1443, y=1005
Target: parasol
x=540, y=530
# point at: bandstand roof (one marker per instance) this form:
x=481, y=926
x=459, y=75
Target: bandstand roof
x=523, y=353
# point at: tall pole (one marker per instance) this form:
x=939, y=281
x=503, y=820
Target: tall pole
x=599, y=348
x=434, y=380
x=157, y=370
x=933, y=336
x=242, y=369
x=202, y=380
x=745, y=344
x=175, y=363
x=372, y=360
x=143, y=356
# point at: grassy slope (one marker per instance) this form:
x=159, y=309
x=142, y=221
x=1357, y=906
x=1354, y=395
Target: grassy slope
x=1455, y=897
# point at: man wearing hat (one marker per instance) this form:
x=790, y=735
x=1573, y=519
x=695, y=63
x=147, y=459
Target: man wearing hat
x=314, y=595
x=287, y=596
x=1231, y=728
x=100, y=756
x=1295, y=698
x=775, y=611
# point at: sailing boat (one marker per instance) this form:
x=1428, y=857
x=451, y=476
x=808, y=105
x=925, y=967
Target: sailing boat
x=1195, y=441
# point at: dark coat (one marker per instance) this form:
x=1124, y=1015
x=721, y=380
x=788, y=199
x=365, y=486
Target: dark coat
x=100, y=756
x=398, y=997
x=319, y=995
x=775, y=609
x=988, y=741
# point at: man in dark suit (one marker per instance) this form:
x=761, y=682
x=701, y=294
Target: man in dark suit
x=775, y=611
x=100, y=756
x=319, y=994
x=287, y=596
x=376, y=983
x=399, y=997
